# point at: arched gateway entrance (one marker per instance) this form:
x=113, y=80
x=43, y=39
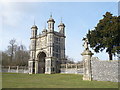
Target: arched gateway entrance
x=41, y=62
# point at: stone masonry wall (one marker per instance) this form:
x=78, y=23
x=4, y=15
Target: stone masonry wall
x=104, y=70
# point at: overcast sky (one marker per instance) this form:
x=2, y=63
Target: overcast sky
x=78, y=17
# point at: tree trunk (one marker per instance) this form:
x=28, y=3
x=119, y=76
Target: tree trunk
x=110, y=56
x=12, y=52
x=11, y=58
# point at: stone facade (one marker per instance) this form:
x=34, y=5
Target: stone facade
x=47, y=50
x=104, y=70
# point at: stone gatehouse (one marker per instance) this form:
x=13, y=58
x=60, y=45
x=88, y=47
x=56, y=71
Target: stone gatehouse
x=47, y=50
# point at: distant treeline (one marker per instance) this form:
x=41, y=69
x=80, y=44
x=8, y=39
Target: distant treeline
x=18, y=55
x=15, y=55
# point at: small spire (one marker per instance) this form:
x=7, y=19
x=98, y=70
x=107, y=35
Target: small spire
x=51, y=14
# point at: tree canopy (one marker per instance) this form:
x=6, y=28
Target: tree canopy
x=15, y=55
x=106, y=35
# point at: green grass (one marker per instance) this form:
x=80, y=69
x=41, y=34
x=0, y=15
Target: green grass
x=12, y=80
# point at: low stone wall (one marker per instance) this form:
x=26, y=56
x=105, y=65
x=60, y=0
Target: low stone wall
x=15, y=69
x=71, y=68
x=104, y=70
x=72, y=71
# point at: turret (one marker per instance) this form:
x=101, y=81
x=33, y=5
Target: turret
x=34, y=31
x=51, y=24
x=33, y=49
x=33, y=38
x=61, y=27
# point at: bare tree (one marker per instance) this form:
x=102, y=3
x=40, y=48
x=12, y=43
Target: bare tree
x=15, y=54
x=11, y=48
x=69, y=60
x=22, y=55
x=5, y=59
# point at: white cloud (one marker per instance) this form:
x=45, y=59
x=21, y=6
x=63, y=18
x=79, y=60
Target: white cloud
x=13, y=14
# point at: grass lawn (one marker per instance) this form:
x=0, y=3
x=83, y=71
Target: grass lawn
x=12, y=80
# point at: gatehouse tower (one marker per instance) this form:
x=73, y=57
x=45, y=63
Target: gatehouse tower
x=47, y=50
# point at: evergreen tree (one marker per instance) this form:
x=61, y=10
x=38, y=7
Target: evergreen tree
x=106, y=35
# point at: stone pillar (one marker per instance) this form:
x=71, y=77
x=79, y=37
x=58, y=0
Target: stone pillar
x=54, y=65
x=17, y=70
x=50, y=65
x=30, y=67
x=76, y=69
x=87, y=74
x=9, y=69
x=36, y=66
x=48, y=62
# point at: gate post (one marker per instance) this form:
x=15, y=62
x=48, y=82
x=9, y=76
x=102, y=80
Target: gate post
x=87, y=54
x=17, y=70
x=9, y=69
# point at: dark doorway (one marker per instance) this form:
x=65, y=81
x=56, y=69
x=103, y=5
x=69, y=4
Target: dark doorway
x=41, y=62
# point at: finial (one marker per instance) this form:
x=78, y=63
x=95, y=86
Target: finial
x=86, y=44
x=51, y=14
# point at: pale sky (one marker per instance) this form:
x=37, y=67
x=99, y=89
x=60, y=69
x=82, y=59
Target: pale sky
x=18, y=18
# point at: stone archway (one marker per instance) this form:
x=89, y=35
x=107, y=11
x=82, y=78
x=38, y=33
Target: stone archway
x=41, y=62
